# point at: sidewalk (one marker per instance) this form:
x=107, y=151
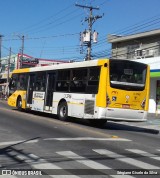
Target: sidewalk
x=153, y=123
x=153, y=116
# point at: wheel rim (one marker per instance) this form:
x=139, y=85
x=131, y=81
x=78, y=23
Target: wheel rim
x=19, y=104
x=63, y=111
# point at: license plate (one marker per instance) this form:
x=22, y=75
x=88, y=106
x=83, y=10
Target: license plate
x=125, y=106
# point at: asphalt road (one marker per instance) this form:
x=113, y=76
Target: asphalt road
x=34, y=143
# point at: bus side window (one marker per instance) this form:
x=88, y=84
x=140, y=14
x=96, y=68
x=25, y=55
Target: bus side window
x=78, y=82
x=13, y=82
x=93, y=81
x=59, y=84
x=22, y=80
x=62, y=83
x=40, y=84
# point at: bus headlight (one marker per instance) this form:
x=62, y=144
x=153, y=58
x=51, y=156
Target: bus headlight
x=143, y=103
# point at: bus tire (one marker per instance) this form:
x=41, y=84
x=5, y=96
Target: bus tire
x=19, y=103
x=63, y=111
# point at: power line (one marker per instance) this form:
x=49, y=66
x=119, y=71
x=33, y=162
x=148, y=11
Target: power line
x=8, y=49
x=150, y=23
x=138, y=26
x=46, y=19
x=44, y=37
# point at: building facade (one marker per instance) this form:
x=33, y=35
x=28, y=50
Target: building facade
x=17, y=62
x=8, y=64
x=143, y=47
x=137, y=46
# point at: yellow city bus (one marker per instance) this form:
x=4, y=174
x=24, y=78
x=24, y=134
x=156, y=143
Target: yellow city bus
x=99, y=90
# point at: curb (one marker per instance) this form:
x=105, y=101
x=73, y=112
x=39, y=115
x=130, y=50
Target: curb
x=153, y=116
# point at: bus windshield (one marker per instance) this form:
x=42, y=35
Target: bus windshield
x=127, y=75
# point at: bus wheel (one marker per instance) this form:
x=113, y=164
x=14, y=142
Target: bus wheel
x=63, y=111
x=19, y=104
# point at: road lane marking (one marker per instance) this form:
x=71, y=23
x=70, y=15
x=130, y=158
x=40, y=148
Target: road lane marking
x=8, y=176
x=125, y=159
x=122, y=176
x=143, y=153
x=11, y=143
x=89, y=163
x=87, y=138
x=82, y=160
x=41, y=164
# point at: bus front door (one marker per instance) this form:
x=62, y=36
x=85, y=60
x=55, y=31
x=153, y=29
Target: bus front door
x=49, y=91
x=31, y=82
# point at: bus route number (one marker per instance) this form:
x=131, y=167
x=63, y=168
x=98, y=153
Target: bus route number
x=67, y=96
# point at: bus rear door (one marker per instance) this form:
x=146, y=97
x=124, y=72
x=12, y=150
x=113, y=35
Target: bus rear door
x=49, y=91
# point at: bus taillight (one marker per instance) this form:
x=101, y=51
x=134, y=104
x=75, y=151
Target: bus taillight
x=143, y=103
x=108, y=101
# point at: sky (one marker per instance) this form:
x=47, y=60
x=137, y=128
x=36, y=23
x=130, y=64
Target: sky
x=51, y=28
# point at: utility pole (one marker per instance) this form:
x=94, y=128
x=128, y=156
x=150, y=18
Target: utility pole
x=91, y=19
x=8, y=74
x=1, y=50
x=22, y=51
x=9, y=59
x=22, y=46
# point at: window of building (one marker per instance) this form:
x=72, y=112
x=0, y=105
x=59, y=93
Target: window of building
x=131, y=50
